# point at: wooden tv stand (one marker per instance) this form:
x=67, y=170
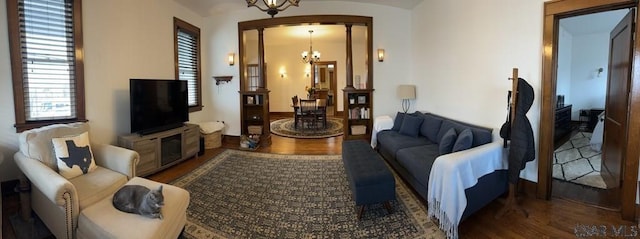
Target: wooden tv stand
x=163, y=149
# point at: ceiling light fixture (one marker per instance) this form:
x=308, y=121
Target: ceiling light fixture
x=272, y=6
x=315, y=55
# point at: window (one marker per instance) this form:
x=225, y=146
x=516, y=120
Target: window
x=45, y=38
x=187, y=58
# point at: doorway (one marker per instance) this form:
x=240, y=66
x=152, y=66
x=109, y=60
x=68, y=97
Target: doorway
x=324, y=79
x=628, y=148
x=581, y=90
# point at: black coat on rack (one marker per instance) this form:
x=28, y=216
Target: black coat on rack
x=522, y=147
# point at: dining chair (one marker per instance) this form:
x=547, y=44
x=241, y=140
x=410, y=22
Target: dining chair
x=321, y=112
x=295, y=104
x=308, y=110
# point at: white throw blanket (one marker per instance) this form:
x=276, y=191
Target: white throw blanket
x=452, y=173
x=380, y=123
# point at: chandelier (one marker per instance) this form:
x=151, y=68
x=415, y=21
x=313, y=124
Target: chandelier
x=272, y=6
x=315, y=55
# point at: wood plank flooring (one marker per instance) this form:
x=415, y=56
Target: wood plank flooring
x=557, y=218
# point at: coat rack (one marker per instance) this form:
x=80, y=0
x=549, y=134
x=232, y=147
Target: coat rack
x=511, y=204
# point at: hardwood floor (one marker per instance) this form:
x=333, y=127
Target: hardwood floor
x=557, y=218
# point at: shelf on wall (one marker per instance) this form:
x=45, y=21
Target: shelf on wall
x=220, y=79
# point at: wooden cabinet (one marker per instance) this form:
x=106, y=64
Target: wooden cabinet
x=563, y=122
x=254, y=111
x=163, y=149
x=358, y=113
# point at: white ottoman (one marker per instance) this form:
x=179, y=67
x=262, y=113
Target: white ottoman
x=102, y=220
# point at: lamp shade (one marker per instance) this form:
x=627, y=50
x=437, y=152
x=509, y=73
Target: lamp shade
x=407, y=92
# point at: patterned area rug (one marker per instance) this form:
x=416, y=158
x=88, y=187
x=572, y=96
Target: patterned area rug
x=576, y=162
x=284, y=127
x=242, y=194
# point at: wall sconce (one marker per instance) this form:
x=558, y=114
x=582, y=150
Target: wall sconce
x=231, y=58
x=380, y=55
x=283, y=72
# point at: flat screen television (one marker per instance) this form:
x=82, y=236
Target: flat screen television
x=157, y=105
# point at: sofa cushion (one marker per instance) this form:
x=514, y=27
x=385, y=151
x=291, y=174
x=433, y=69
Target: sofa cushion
x=464, y=141
x=95, y=186
x=36, y=143
x=448, y=140
x=397, y=122
x=430, y=127
x=393, y=141
x=411, y=125
x=418, y=161
x=74, y=156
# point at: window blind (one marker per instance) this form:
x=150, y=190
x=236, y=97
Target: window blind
x=47, y=47
x=188, y=64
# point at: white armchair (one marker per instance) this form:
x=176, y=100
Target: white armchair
x=59, y=201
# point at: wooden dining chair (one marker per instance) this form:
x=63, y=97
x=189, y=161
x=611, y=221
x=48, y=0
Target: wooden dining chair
x=308, y=113
x=295, y=103
x=321, y=112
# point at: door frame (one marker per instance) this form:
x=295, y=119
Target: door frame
x=553, y=12
x=333, y=83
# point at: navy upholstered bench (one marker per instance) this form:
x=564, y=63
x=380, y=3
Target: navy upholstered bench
x=370, y=179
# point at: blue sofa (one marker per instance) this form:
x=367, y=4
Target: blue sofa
x=418, y=139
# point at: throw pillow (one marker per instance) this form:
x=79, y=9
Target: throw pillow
x=448, y=140
x=397, y=122
x=411, y=125
x=74, y=156
x=464, y=141
x=430, y=127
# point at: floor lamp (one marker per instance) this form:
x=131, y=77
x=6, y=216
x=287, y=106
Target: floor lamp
x=406, y=93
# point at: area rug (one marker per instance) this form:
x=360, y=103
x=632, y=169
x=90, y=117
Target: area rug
x=285, y=127
x=576, y=162
x=241, y=194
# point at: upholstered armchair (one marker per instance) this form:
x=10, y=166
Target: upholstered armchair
x=59, y=201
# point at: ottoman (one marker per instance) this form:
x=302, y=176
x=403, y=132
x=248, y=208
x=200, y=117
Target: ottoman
x=102, y=220
x=370, y=179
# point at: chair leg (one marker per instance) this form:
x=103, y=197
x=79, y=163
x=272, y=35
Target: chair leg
x=360, y=212
x=387, y=205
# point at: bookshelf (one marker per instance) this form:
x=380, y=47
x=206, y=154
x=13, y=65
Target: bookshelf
x=358, y=113
x=255, y=112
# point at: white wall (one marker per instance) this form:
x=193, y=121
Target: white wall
x=563, y=80
x=463, y=53
x=123, y=39
x=588, y=90
x=391, y=31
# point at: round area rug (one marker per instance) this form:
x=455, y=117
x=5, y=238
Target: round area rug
x=284, y=127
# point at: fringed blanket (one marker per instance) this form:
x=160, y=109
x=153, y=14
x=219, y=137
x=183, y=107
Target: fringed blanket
x=452, y=173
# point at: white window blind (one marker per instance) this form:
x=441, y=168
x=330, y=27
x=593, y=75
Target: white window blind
x=188, y=63
x=46, y=32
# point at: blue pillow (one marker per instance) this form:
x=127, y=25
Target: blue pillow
x=398, y=121
x=448, y=140
x=430, y=127
x=464, y=141
x=411, y=125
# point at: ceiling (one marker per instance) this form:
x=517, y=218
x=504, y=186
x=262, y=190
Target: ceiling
x=593, y=23
x=210, y=7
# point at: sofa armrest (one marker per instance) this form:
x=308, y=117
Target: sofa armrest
x=118, y=159
x=380, y=123
x=55, y=187
x=452, y=173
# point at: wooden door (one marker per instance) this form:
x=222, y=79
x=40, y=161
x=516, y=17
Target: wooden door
x=617, y=102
